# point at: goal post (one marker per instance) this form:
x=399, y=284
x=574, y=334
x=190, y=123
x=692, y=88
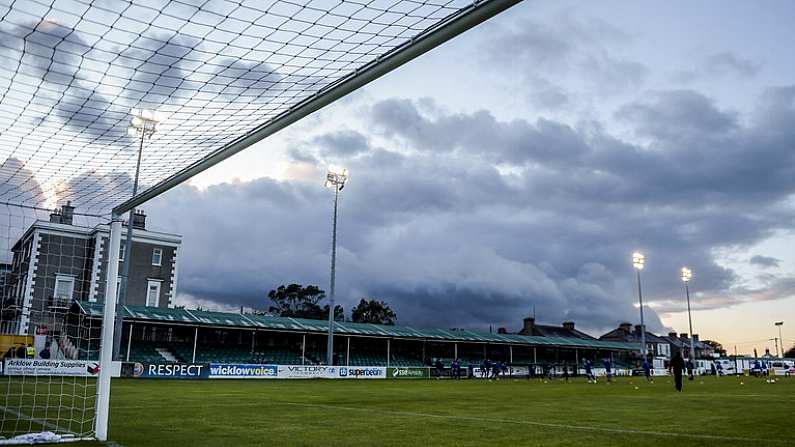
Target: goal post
x=106, y=344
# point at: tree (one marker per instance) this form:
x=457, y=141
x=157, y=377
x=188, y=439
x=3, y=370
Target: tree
x=339, y=313
x=716, y=346
x=297, y=301
x=373, y=311
x=791, y=353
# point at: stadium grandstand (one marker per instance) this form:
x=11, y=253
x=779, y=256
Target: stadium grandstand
x=158, y=335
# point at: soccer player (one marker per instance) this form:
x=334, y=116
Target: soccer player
x=678, y=365
x=608, y=372
x=589, y=371
x=456, y=369
x=647, y=370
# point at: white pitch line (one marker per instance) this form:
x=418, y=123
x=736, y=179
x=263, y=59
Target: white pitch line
x=42, y=422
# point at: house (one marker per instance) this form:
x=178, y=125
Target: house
x=681, y=343
x=702, y=350
x=657, y=346
x=56, y=263
x=566, y=330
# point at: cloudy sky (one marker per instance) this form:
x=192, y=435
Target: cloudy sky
x=519, y=166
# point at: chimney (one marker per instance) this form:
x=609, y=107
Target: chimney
x=625, y=327
x=529, y=325
x=683, y=335
x=637, y=329
x=695, y=337
x=568, y=325
x=502, y=330
x=139, y=220
x=672, y=334
x=55, y=216
x=67, y=213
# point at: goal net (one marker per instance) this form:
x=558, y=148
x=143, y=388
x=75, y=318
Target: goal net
x=105, y=105
x=50, y=351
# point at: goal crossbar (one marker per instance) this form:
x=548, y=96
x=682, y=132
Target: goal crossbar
x=463, y=20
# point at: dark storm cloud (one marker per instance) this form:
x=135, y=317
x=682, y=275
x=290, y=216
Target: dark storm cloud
x=765, y=261
x=730, y=63
x=443, y=235
x=677, y=114
x=88, y=188
x=155, y=69
x=342, y=143
x=543, y=50
x=514, y=142
x=54, y=54
x=18, y=183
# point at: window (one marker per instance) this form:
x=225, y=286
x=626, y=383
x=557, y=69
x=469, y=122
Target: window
x=157, y=256
x=153, y=293
x=64, y=288
x=122, y=251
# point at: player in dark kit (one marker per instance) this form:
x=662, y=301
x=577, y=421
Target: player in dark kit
x=678, y=366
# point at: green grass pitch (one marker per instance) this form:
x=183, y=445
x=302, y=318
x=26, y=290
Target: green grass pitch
x=710, y=412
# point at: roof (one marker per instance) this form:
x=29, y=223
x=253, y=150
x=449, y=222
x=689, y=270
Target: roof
x=632, y=337
x=560, y=331
x=139, y=234
x=249, y=321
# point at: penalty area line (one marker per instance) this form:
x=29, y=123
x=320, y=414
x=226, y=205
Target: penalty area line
x=543, y=424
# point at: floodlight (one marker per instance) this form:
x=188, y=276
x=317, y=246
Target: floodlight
x=336, y=178
x=144, y=123
x=686, y=274
x=638, y=260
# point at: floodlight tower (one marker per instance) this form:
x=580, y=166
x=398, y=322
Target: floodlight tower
x=638, y=260
x=335, y=178
x=687, y=274
x=143, y=125
x=779, y=324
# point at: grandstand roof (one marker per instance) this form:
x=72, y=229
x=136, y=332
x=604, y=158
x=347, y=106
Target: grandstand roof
x=250, y=321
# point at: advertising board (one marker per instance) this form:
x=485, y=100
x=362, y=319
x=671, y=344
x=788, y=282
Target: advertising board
x=39, y=367
x=362, y=372
x=408, y=373
x=169, y=371
x=243, y=371
x=330, y=372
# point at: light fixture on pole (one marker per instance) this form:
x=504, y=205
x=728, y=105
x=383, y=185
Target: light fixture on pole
x=335, y=179
x=687, y=274
x=143, y=125
x=638, y=261
x=779, y=324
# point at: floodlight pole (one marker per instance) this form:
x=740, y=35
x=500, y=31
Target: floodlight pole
x=125, y=270
x=779, y=324
x=330, y=347
x=690, y=321
x=642, y=323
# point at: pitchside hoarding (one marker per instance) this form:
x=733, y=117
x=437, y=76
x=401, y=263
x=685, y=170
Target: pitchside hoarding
x=243, y=371
x=39, y=367
x=408, y=373
x=331, y=372
x=251, y=371
x=169, y=371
